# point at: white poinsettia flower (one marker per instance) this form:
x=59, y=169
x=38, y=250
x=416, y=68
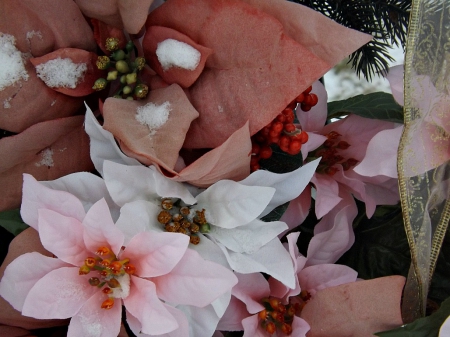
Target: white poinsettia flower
x=223, y=221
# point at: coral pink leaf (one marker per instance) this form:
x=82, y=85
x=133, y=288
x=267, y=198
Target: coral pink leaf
x=62, y=236
x=159, y=145
x=356, y=309
x=92, y=320
x=155, y=254
x=102, y=31
x=144, y=304
x=47, y=150
x=22, y=274
x=59, y=294
x=184, y=77
x=189, y=282
x=78, y=57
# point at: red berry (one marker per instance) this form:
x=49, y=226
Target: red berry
x=300, y=98
x=284, y=141
x=277, y=126
x=305, y=107
x=289, y=127
x=304, y=137
x=255, y=148
x=274, y=140
x=295, y=147
x=274, y=133
x=265, y=153
x=292, y=105
x=308, y=90
x=290, y=119
x=281, y=118
x=287, y=111
x=255, y=167
x=314, y=99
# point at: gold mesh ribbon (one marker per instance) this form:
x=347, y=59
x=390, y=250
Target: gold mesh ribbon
x=423, y=157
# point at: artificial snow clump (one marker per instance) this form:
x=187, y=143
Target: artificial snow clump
x=47, y=158
x=12, y=67
x=61, y=73
x=173, y=53
x=152, y=115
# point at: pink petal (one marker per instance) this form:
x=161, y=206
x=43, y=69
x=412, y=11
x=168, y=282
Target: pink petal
x=59, y=294
x=63, y=236
x=299, y=327
x=327, y=194
x=356, y=309
x=155, y=254
x=297, y=210
x=381, y=154
x=328, y=246
x=395, y=78
x=190, y=281
x=184, y=77
x=99, y=229
x=318, y=277
x=251, y=289
x=260, y=41
x=22, y=274
x=314, y=141
x=137, y=140
x=63, y=139
x=37, y=196
x=92, y=320
x=233, y=316
x=144, y=304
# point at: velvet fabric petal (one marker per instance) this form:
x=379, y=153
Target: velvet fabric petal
x=144, y=304
x=62, y=236
x=248, y=67
x=184, y=77
x=151, y=146
x=252, y=327
x=92, y=320
x=210, y=251
x=99, y=229
x=356, y=309
x=395, y=78
x=297, y=210
x=250, y=289
x=189, y=281
x=64, y=291
x=155, y=254
x=77, y=56
x=230, y=204
x=327, y=194
x=47, y=150
x=232, y=319
x=22, y=274
x=202, y=321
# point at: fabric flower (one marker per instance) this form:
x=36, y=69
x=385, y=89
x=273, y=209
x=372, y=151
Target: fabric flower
x=357, y=160
x=94, y=273
x=234, y=93
x=225, y=218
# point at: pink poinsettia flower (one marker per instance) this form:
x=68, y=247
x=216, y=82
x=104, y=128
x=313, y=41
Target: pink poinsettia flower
x=358, y=160
x=254, y=310
x=93, y=274
x=424, y=136
x=223, y=103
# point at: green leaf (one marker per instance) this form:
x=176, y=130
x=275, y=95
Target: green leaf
x=423, y=327
x=12, y=221
x=378, y=105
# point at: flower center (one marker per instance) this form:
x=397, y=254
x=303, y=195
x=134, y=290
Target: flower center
x=180, y=218
x=113, y=274
x=278, y=316
x=330, y=153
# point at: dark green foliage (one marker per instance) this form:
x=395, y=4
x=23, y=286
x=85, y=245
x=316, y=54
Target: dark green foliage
x=12, y=221
x=377, y=105
x=385, y=20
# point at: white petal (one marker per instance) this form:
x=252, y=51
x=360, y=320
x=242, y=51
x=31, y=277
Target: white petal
x=229, y=204
x=288, y=185
x=248, y=238
x=103, y=144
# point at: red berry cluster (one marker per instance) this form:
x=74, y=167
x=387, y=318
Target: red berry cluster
x=282, y=131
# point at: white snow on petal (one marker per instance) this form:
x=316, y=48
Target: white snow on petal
x=124, y=290
x=173, y=53
x=12, y=66
x=47, y=158
x=6, y=104
x=61, y=73
x=152, y=115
